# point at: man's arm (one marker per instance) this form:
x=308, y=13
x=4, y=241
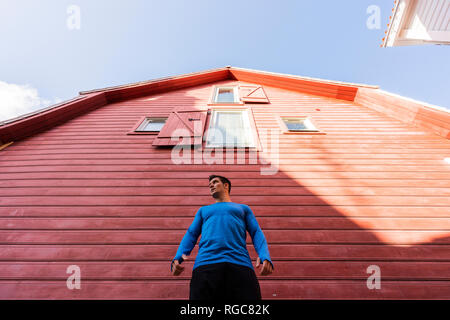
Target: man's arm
x=188, y=242
x=259, y=241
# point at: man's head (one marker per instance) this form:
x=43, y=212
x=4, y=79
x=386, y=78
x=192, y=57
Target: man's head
x=219, y=185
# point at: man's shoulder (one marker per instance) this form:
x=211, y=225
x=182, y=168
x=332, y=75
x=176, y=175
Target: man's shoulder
x=214, y=205
x=244, y=205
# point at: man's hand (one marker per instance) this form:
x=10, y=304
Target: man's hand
x=177, y=268
x=266, y=267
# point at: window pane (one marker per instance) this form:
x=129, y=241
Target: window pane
x=225, y=95
x=230, y=129
x=153, y=124
x=295, y=124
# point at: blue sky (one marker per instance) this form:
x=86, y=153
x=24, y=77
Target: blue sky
x=128, y=41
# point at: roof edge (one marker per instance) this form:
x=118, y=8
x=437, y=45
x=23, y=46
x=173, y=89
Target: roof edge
x=335, y=82
x=39, y=111
x=146, y=82
x=395, y=17
x=425, y=104
x=29, y=124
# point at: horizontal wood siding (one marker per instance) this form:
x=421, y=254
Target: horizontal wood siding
x=373, y=190
x=315, y=87
x=166, y=85
x=405, y=110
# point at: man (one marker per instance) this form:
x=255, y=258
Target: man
x=223, y=269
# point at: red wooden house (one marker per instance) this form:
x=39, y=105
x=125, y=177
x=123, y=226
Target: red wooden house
x=360, y=187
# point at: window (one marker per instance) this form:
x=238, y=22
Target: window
x=230, y=128
x=293, y=124
x=226, y=95
x=149, y=124
x=152, y=124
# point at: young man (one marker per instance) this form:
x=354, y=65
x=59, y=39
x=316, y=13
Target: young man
x=223, y=269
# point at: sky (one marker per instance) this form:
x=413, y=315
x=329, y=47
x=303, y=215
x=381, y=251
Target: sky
x=53, y=49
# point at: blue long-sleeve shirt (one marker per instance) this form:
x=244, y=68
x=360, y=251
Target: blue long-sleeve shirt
x=223, y=227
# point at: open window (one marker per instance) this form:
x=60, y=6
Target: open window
x=232, y=95
x=182, y=128
x=228, y=126
x=231, y=127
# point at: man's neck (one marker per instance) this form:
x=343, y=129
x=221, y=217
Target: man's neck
x=223, y=199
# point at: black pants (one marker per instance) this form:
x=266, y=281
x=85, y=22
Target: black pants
x=224, y=281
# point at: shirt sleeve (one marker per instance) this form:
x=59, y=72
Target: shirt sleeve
x=258, y=238
x=190, y=238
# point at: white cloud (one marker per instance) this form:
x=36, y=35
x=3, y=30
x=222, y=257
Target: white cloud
x=16, y=100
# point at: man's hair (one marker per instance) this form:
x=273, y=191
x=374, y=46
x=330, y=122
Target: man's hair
x=223, y=179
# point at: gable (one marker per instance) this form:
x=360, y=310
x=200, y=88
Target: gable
x=17, y=129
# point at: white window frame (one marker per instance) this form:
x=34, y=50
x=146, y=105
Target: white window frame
x=147, y=121
x=249, y=130
x=235, y=94
x=306, y=121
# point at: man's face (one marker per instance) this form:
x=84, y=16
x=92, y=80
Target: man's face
x=217, y=188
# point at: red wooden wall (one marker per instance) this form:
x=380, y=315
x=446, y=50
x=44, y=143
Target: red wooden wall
x=406, y=110
x=372, y=191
